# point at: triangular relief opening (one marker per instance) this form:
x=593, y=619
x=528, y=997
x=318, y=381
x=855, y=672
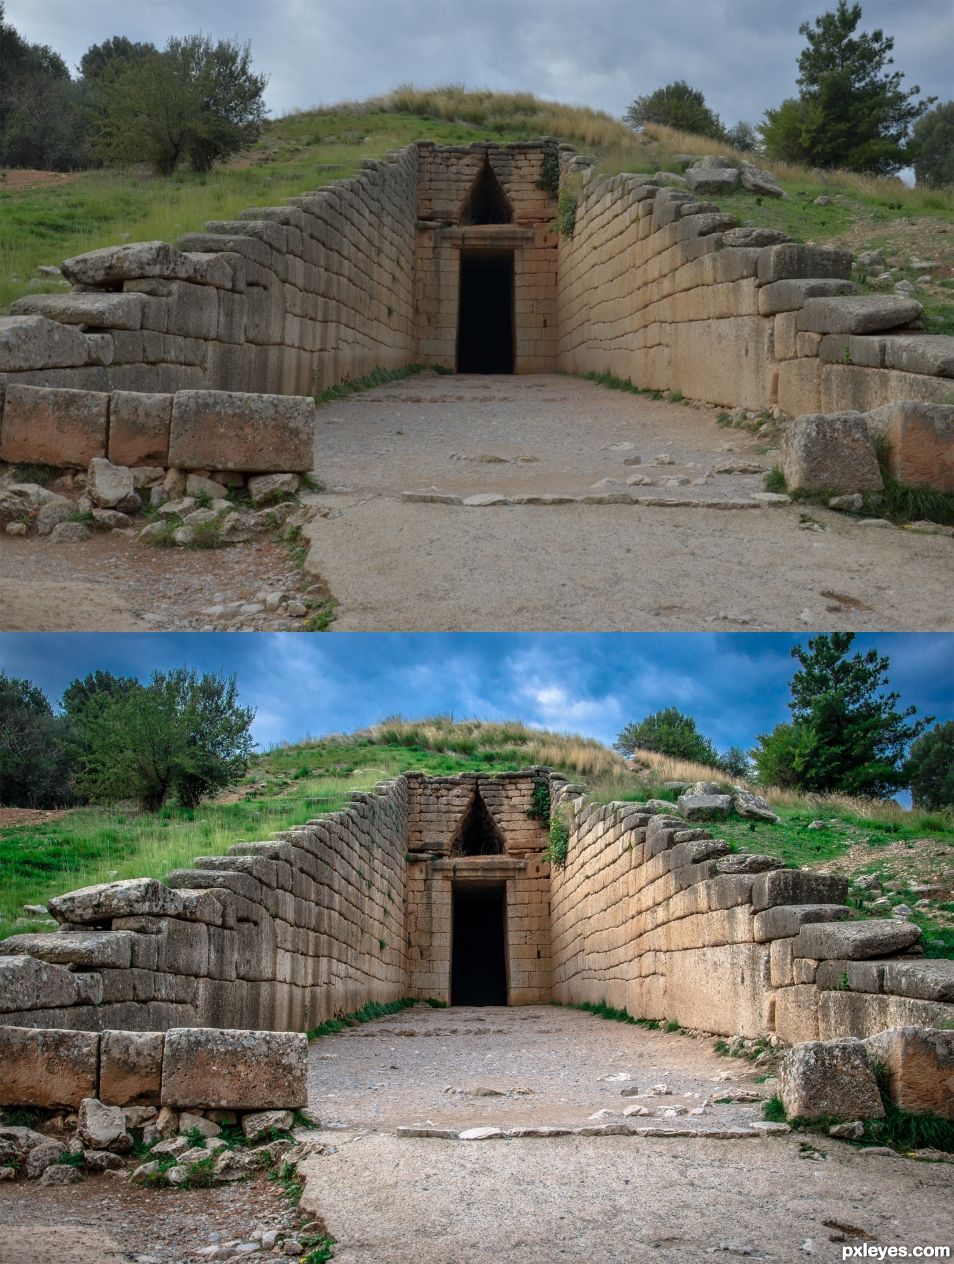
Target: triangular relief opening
x=486, y=203
x=478, y=834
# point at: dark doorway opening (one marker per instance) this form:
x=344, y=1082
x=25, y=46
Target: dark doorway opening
x=479, y=960
x=485, y=324
x=478, y=833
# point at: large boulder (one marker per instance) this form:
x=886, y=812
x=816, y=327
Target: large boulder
x=33, y=342
x=111, y=486
x=920, y=441
x=52, y=425
x=134, y=897
x=753, y=807
x=112, y=264
x=919, y=1062
x=857, y=314
x=704, y=807
x=855, y=941
x=226, y=430
x=829, y=1078
x=830, y=453
x=237, y=1070
x=47, y=1067
x=102, y=1127
x=758, y=180
x=714, y=180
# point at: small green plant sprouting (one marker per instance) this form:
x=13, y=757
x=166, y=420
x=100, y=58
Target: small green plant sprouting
x=549, y=178
x=442, y=369
x=201, y=1173
x=286, y=1178
x=675, y=397
x=196, y=1138
x=673, y=1026
x=377, y=377
x=559, y=845
x=373, y=1009
x=567, y=206
x=774, y=480
x=773, y=1111
x=382, y=944
x=539, y=809
x=843, y=984
x=318, y=1248
x=435, y=1003
x=203, y=500
x=602, y=1010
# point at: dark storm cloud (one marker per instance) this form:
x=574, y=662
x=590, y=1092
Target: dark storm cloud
x=741, y=53
x=734, y=684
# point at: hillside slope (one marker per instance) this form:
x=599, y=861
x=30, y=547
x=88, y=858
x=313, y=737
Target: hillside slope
x=43, y=222
x=911, y=855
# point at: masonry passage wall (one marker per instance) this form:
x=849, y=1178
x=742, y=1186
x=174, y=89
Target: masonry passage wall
x=657, y=917
x=663, y=289
x=277, y=935
x=282, y=300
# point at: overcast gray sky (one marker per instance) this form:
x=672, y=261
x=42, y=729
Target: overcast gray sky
x=741, y=53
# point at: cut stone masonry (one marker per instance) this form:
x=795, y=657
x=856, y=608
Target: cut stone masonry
x=407, y=260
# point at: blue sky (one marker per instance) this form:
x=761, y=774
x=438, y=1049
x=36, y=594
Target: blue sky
x=734, y=684
x=741, y=53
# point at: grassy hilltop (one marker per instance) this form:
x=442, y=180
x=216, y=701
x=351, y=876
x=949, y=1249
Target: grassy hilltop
x=45, y=219
x=43, y=854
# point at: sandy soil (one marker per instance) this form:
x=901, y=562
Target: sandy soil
x=113, y=584
x=389, y=1199
x=101, y=1221
x=423, y=566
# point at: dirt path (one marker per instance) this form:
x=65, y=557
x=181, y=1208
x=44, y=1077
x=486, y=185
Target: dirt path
x=391, y=1199
x=395, y=563
x=111, y=583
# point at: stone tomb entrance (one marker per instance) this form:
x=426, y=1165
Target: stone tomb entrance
x=478, y=891
x=485, y=326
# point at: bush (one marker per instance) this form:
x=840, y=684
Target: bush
x=933, y=146
x=676, y=105
x=931, y=768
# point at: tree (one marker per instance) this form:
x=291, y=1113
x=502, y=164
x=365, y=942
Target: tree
x=670, y=733
x=33, y=763
x=851, y=111
x=735, y=762
x=743, y=136
x=932, y=144
x=775, y=755
x=931, y=768
x=194, y=100
x=846, y=734
x=179, y=734
x=677, y=105
x=39, y=123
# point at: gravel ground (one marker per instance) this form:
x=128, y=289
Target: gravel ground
x=113, y=584
x=395, y=565
x=388, y=1199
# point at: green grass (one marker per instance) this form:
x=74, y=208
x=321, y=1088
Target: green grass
x=90, y=845
x=296, y=154
x=367, y=1013
x=377, y=377
x=602, y=1010
x=773, y=1110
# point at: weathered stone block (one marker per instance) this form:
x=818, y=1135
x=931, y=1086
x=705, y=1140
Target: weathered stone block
x=47, y=1067
x=829, y=1078
x=90, y=905
x=700, y=807
x=920, y=441
x=784, y=920
x=790, y=296
x=920, y=1066
x=98, y=311
x=779, y=263
x=53, y=426
x=87, y=949
x=139, y=428
x=33, y=342
x=712, y=179
x=113, y=264
x=797, y=886
x=858, y=314
x=924, y=980
x=110, y=486
x=853, y=941
x=130, y=1067
x=237, y=1070
x=102, y=1127
x=832, y=452
x=225, y=430
x=26, y=984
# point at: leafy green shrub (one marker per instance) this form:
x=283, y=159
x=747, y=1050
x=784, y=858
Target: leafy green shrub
x=567, y=206
x=556, y=852
x=539, y=809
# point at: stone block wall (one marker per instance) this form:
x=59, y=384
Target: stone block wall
x=277, y=935
x=282, y=300
x=657, y=917
x=663, y=289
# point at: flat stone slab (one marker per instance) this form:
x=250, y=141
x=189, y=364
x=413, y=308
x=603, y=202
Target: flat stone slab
x=852, y=941
x=857, y=314
x=47, y=1067
x=89, y=949
x=98, y=311
x=53, y=425
x=229, y=430
x=235, y=1070
x=135, y=897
